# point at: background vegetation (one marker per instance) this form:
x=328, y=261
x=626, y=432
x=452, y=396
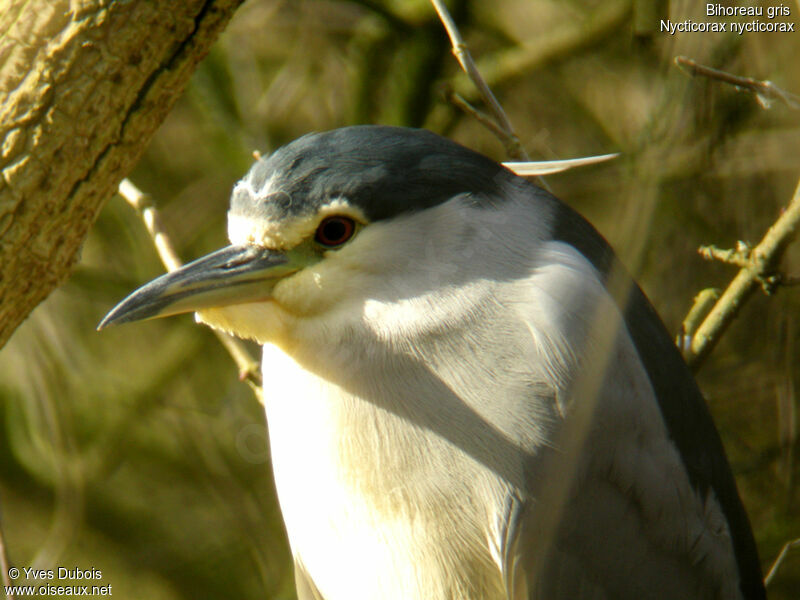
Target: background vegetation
x=138, y=452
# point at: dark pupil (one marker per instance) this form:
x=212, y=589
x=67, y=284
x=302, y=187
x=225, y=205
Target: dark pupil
x=334, y=230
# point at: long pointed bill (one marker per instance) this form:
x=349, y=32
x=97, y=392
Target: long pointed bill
x=232, y=275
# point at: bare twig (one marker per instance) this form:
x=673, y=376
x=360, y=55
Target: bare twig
x=781, y=556
x=522, y=168
x=756, y=270
x=481, y=117
x=461, y=52
x=248, y=366
x=147, y=210
x=739, y=257
x=703, y=302
x=765, y=91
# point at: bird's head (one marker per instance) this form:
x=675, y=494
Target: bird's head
x=331, y=221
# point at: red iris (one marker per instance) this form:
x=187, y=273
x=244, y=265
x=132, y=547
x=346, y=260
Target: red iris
x=335, y=231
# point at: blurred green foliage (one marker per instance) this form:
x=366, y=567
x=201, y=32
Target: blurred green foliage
x=138, y=452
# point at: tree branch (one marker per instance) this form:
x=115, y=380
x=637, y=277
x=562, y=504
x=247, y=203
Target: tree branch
x=765, y=91
x=504, y=130
x=756, y=264
x=481, y=117
x=82, y=89
x=757, y=269
x=781, y=556
x=739, y=257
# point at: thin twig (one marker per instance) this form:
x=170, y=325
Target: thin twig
x=152, y=222
x=526, y=168
x=461, y=52
x=781, y=556
x=481, y=117
x=739, y=257
x=764, y=90
x=247, y=365
x=758, y=270
x=703, y=303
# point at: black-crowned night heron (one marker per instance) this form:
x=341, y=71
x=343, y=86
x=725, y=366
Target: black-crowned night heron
x=464, y=397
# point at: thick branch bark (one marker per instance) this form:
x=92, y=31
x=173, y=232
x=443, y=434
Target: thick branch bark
x=83, y=86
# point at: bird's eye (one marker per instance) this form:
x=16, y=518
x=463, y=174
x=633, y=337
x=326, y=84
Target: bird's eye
x=335, y=231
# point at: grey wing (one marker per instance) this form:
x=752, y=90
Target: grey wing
x=599, y=551
x=306, y=590
x=683, y=412
x=619, y=516
x=645, y=506
x=612, y=508
x=651, y=509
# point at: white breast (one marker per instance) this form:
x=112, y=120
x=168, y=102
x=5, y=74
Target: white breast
x=370, y=519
